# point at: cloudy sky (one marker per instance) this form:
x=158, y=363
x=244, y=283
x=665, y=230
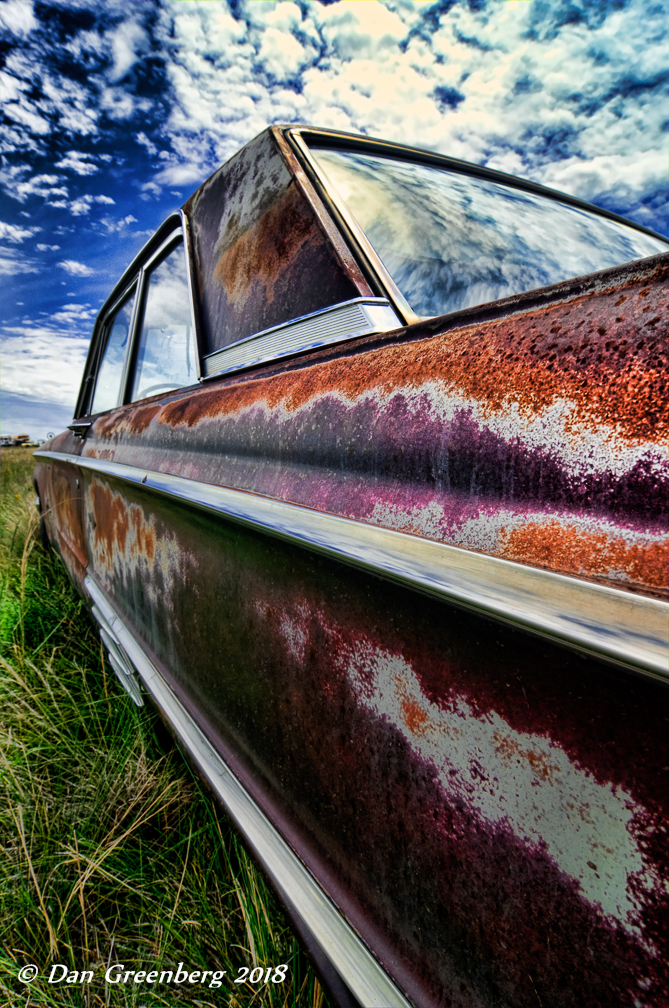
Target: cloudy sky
x=114, y=111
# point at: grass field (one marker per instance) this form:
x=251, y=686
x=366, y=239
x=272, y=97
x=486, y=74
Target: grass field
x=111, y=852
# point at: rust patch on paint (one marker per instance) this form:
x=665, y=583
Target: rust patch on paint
x=267, y=249
x=415, y=717
x=564, y=547
x=609, y=360
x=139, y=419
x=114, y=520
x=130, y=419
x=145, y=536
x=509, y=749
x=111, y=518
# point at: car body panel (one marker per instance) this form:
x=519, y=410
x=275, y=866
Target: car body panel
x=262, y=255
x=499, y=435
x=484, y=806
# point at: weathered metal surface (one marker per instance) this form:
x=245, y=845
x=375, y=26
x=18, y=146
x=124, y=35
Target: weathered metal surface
x=627, y=629
x=536, y=435
x=262, y=256
x=488, y=811
x=61, y=497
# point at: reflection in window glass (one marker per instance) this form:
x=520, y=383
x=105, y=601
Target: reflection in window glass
x=110, y=373
x=166, y=352
x=451, y=241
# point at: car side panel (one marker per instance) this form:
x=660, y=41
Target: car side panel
x=535, y=435
x=486, y=808
x=60, y=488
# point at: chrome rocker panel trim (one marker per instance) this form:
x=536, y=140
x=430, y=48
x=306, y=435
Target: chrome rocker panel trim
x=355, y=964
x=620, y=627
x=119, y=661
x=357, y=317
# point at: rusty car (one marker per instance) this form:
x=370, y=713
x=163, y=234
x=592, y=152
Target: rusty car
x=366, y=488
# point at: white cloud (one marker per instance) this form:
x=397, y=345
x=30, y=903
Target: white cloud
x=74, y=105
x=126, y=41
x=11, y=179
x=18, y=16
x=281, y=54
x=120, y=104
x=113, y=226
x=47, y=248
x=40, y=362
x=64, y=103
x=76, y=268
x=14, y=233
x=11, y=88
x=70, y=314
x=82, y=204
x=13, y=262
x=143, y=139
x=26, y=115
x=506, y=84
x=625, y=172
x=361, y=30
x=78, y=162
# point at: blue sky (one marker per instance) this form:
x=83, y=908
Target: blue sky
x=114, y=111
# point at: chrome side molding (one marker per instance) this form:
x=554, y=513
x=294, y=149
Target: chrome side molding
x=118, y=659
x=357, y=317
x=355, y=964
x=626, y=629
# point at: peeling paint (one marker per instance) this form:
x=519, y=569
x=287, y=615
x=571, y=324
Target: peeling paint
x=512, y=779
x=454, y=437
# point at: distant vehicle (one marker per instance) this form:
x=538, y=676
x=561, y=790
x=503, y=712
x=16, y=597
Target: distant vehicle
x=367, y=489
x=18, y=441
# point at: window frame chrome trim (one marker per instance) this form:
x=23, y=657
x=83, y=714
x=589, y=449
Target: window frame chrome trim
x=165, y=248
x=192, y=293
x=602, y=622
x=294, y=882
x=135, y=283
x=368, y=257
x=133, y=275
x=359, y=244
x=265, y=335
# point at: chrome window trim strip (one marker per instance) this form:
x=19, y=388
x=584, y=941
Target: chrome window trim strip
x=342, y=946
x=132, y=295
x=162, y=251
x=324, y=138
x=348, y=225
x=361, y=316
x=192, y=293
x=627, y=629
x=130, y=276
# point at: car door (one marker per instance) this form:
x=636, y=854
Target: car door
x=450, y=746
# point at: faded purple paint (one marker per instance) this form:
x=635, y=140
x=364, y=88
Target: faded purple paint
x=523, y=465
x=489, y=811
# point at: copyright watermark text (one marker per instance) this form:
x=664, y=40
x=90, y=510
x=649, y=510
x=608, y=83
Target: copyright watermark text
x=118, y=973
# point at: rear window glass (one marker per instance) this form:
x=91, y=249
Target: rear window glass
x=451, y=241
